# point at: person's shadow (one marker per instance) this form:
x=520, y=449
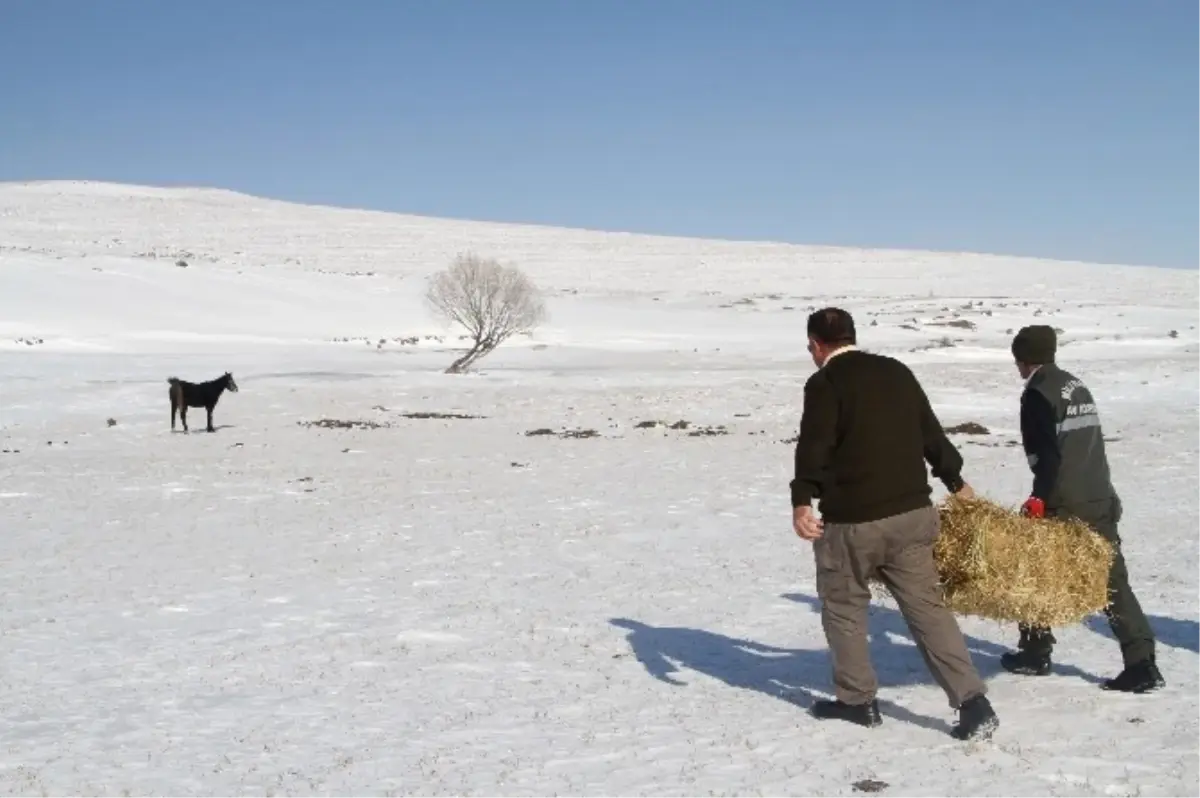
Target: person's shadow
x=1173, y=632
x=796, y=675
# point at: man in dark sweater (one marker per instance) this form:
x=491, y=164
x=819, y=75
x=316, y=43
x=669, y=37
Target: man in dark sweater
x=865, y=437
x=1064, y=443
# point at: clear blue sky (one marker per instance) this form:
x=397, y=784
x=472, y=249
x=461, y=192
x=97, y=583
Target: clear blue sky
x=1059, y=128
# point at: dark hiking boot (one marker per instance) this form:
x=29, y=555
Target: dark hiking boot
x=1141, y=677
x=1026, y=663
x=862, y=714
x=976, y=720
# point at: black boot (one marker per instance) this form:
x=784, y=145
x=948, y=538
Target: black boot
x=1141, y=677
x=976, y=720
x=862, y=714
x=1032, y=657
x=1026, y=663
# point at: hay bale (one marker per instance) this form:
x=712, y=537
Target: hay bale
x=1000, y=565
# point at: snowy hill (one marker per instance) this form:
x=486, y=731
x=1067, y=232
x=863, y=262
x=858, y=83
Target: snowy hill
x=424, y=597
x=271, y=270
x=83, y=219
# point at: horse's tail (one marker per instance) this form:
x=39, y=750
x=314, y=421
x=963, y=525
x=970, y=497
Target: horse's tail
x=173, y=380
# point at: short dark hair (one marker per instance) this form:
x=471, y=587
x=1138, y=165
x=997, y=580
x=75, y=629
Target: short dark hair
x=832, y=326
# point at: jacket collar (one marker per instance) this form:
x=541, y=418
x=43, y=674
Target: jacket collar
x=836, y=352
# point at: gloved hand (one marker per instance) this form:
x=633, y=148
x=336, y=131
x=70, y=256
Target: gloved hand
x=1034, y=508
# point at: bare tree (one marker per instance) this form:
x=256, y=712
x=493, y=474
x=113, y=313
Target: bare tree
x=492, y=302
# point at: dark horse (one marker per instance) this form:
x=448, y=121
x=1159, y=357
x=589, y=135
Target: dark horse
x=197, y=394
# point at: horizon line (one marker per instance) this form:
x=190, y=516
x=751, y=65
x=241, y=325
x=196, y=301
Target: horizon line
x=182, y=186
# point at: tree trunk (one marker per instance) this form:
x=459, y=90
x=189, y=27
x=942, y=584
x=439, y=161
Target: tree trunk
x=465, y=362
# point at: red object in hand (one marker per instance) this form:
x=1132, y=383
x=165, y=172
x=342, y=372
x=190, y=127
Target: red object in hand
x=1034, y=507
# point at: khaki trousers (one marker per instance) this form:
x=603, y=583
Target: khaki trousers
x=899, y=551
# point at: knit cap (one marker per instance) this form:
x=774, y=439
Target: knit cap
x=1035, y=345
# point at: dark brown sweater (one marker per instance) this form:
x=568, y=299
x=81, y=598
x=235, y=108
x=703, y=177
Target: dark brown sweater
x=865, y=436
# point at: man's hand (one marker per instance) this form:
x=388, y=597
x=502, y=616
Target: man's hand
x=966, y=492
x=1034, y=508
x=806, y=524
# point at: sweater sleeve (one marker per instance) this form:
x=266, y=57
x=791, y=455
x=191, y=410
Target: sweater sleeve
x=943, y=457
x=1040, y=438
x=818, y=434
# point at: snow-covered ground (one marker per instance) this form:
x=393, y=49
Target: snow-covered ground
x=452, y=606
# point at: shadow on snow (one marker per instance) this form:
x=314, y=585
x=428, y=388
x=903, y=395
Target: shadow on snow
x=1173, y=632
x=796, y=675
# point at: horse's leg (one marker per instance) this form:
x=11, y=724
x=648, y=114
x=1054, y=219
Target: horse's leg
x=209, y=409
x=183, y=415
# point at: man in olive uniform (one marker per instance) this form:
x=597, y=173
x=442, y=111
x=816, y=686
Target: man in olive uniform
x=1060, y=429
